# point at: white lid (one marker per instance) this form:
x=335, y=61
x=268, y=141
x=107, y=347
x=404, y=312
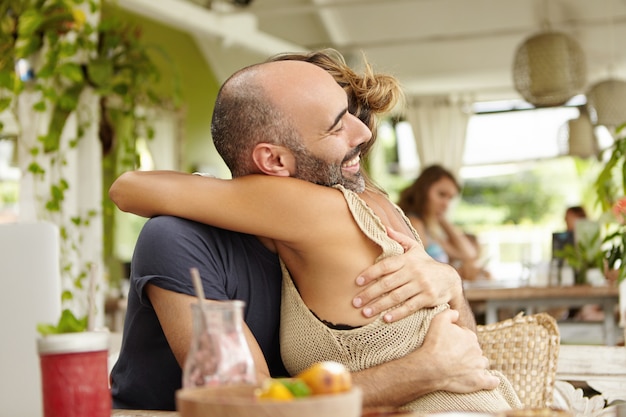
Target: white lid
x=73, y=342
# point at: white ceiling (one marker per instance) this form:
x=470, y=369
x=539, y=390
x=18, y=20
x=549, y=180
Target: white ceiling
x=432, y=46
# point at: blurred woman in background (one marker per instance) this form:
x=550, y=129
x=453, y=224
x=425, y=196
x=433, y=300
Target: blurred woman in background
x=426, y=203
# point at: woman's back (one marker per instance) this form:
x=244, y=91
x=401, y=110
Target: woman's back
x=325, y=273
x=325, y=261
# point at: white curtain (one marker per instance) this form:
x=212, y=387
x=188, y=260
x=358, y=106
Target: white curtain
x=439, y=126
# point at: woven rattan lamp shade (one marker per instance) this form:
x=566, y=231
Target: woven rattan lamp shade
x=549, y=69
x=606, y=102
x=577, y=138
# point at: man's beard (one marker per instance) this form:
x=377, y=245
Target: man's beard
x=313, y=169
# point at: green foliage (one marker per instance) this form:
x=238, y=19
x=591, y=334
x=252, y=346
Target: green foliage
x=68, y=323
x=520, y=197
x=108, y=59
x=610, y=187
x=583, y=255
x=611, y=182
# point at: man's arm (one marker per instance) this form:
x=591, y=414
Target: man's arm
x=450, y=359
x=173, y=310
x=411, y=281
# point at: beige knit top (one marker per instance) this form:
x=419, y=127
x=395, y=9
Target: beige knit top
x=305, y=339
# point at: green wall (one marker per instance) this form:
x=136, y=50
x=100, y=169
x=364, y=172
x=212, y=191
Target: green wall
x=198, y=90
x=197, y=83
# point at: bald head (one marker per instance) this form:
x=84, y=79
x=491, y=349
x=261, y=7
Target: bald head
x=244, y=116
x=268, y=103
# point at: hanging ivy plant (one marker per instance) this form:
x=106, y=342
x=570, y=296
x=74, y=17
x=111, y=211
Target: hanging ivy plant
x=50, y=49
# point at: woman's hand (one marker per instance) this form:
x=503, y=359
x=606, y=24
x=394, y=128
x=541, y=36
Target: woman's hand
x=407, y=282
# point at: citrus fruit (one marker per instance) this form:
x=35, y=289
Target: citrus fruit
x=273, y=389
x=326, y=377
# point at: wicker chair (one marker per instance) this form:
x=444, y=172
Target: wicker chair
x=525, y=349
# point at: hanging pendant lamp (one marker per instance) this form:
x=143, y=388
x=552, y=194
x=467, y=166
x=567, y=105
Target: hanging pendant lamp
x=579, y=137
x=549, y=68
x=606, y=102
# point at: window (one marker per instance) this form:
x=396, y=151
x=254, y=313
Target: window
x=517, y=177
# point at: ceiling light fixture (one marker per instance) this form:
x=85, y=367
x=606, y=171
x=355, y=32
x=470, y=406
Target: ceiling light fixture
x=549, y=68
x=606, y=100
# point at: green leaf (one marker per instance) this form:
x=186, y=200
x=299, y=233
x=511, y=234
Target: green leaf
x=6, y=80
x=71, y=71
x=30, y=21
x=36, y=169
x=52, y=140
x=68, y=323
x=67, y=296
x=100, y=71
x=40, y=106
x=4, y=104
x=25, y=47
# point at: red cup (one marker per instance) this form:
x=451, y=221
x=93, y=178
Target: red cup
x=74, y=374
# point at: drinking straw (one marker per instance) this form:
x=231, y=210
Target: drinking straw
x=197, y=283
x=91, y=298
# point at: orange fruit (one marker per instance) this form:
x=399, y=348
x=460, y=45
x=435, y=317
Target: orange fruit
x=327, y=377
x=272, y=389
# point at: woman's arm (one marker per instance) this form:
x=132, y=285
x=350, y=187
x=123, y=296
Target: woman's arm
x=456, y=244
x=274, y=207
x=420, y=228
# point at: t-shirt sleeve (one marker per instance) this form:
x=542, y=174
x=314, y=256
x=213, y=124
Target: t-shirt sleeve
x=166, y=250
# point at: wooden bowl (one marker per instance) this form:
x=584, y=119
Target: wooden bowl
x=239, y=401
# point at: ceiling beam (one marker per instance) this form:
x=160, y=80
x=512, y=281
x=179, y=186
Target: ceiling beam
x=237, y=29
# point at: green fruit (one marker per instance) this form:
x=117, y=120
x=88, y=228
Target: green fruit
x=296, y=386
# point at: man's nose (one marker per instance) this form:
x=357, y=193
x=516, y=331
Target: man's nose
x=360, y=133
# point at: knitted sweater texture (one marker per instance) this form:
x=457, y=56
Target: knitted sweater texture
x=306, y=340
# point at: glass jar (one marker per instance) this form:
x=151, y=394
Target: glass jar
x=219, y=353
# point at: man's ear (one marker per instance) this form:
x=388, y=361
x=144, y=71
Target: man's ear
x=273, y=159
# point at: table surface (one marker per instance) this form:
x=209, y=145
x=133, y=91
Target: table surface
x=527, y=298
x=537, y=412
x=482, y=293
x=143, y=413
x=149, y=413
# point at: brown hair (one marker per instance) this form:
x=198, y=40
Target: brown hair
x=577, y=211
x=413, y=199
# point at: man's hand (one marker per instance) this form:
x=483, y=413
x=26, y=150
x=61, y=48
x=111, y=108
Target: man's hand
x=450, y=359
x=455, y=356
x=409, y=282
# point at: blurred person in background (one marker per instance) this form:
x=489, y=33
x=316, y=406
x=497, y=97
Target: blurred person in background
x=572, y=215
x=473, y=270
x=426, y=204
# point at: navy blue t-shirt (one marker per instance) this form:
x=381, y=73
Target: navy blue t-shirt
x=232, y=266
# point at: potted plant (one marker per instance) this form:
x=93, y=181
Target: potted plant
x=611, y=191
x=610, y=187
x=585, y=256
